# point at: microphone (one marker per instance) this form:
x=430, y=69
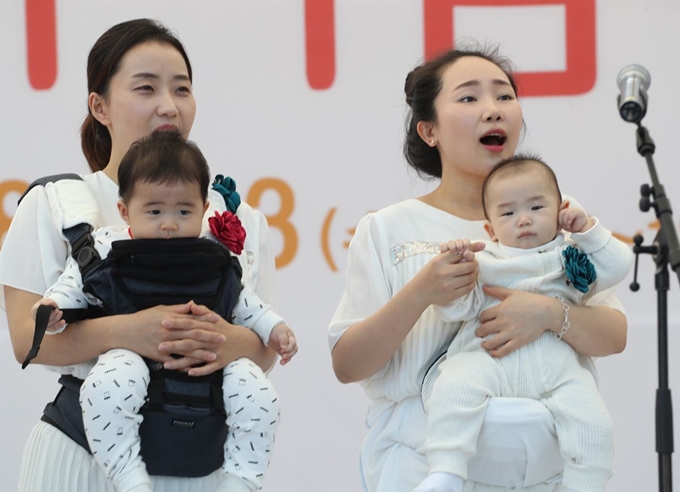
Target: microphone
x=633, y=82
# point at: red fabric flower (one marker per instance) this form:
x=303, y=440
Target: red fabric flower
x=228, y=230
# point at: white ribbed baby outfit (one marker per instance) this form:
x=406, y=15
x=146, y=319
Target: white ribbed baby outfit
x=547, y=369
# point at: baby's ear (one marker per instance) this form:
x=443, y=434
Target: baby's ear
x=205, y=207
x=489, y=230
x=564, y=204
x=123, y=211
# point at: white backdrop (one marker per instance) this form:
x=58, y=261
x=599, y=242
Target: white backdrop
x=338, y=152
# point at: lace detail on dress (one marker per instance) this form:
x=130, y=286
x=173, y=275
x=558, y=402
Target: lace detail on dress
x=402, y=251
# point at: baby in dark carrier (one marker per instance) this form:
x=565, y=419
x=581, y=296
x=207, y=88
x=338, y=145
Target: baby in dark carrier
x=164, y=184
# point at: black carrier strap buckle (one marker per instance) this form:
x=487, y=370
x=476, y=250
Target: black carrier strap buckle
x=82, y=247
x=42, y=319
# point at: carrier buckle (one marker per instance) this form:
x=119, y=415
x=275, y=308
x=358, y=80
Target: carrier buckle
x=83, y=250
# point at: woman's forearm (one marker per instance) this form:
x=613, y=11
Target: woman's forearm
x=248, y=344
x=80, y=341
x=368, y=346
x=596, y=331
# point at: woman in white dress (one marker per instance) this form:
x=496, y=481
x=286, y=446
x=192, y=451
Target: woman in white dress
x=139, y=81
x=465, y=117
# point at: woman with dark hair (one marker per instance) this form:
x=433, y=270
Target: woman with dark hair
x=464, y=118
x=139, y=82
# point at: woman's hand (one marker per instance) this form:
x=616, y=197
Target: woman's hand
x=151, y=328
x=200, y=335
x=519, y=319
x=449, y=275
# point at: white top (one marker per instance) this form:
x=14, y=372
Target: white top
x=388, y=249
x=34, y=252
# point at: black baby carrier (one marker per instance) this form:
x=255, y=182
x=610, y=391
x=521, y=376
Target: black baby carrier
x=184, y=428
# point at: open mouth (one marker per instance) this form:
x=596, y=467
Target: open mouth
x=493, y=139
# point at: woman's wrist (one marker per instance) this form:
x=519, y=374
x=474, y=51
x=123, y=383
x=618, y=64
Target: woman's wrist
x=102, y=334
x=242, y=342
x=565, y=321
x=555, y=315
x=414, y=295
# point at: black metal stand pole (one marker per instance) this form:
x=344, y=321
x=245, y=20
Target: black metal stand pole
x=665, y=250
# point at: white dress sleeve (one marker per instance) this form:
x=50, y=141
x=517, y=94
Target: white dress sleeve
x=33, y=253
x=263, y=272
x=367, y=287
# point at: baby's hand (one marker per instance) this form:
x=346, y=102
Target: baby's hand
x=282, y=339
x=574, y=220
x=462, y=247
x=55, y=323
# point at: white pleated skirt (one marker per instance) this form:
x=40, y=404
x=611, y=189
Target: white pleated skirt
x=52, y=462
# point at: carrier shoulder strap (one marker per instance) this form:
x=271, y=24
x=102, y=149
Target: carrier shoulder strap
x=75, y=212
x=49, y=179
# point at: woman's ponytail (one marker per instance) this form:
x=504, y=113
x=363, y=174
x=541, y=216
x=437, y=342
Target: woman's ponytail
x=96, y=143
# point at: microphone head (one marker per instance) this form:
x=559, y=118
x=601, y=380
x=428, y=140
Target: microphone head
x=633, y=82
x=634, y=71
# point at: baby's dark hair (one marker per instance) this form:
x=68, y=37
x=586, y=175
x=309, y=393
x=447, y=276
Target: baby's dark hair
x=163, y=158
x=518, y=164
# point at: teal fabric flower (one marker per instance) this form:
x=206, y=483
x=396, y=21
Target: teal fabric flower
x=227, y=188
x=580, y=271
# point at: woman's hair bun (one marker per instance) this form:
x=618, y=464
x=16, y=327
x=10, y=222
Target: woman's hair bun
x=409, y=85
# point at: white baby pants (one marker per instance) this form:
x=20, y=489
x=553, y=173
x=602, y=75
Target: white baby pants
x=116, y=388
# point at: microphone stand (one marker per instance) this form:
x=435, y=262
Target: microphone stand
x=664, y=250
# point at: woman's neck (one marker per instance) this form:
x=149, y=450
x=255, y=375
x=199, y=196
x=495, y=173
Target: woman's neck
x=458, y=196
x=111, y=170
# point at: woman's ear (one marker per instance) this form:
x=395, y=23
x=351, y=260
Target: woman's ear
x=489, y=230
x=426, y=131
x=123, y=211
x=98, y=108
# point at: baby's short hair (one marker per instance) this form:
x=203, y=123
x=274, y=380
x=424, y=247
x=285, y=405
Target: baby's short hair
x=163, y=158
x=515, y=165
